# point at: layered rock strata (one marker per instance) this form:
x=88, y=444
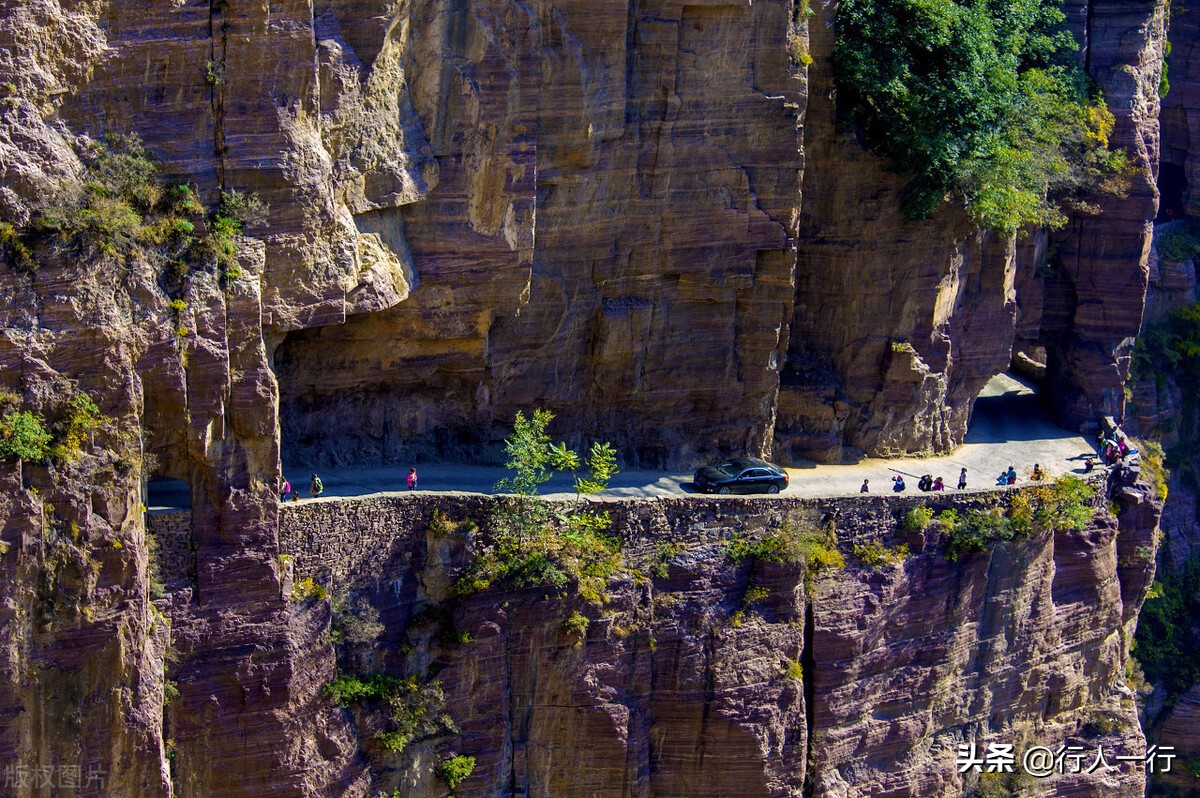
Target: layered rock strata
x=859, y=682
x=658, y=144
x=475, y=207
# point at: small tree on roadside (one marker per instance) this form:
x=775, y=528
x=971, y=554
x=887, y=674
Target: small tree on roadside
x=535, y=458
x=532, y=455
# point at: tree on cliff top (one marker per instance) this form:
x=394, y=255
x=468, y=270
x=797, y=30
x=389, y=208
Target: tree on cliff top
x=977, y=100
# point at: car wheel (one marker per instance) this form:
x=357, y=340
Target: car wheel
x=773, y=489
x=724, y=491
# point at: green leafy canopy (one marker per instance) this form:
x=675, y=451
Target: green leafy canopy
x=979, y=100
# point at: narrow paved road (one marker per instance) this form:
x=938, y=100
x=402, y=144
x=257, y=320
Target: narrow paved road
x=1009, y=428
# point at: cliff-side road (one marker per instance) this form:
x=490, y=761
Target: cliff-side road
x=1009, y=428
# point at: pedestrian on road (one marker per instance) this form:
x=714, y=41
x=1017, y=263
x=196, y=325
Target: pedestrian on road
x=315, y=486
x=962, y=479
x=939, y=484
x=864, y=488
x=287, y=488
x=1012, y=476
x=1038, y=474
x=898, y=484
x=412, y=479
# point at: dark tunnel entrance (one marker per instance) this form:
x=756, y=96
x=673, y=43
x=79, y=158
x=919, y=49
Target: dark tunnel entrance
x=1172, y=186
x=1012, y=407
x=166, y=495
x=363, y=394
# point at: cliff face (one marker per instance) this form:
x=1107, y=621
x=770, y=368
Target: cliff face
x=86, y=648
x=595, y=210
x=482, y=206
x=658, y=145
x=747, y=677
x=1162, y=404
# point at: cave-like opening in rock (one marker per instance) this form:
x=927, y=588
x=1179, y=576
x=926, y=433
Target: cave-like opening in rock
x=1172, y=185
x=366, y=394
x=1011, y=407
x=167, y=495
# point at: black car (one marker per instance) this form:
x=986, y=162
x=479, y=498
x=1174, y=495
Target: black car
x=741, y=475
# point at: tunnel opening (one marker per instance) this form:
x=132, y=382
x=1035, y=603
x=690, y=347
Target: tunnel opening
x=364, y=394
x=1172, y=188
x=166, y=467
x=1014, y=405
x=167, y=495
x=1014, y=428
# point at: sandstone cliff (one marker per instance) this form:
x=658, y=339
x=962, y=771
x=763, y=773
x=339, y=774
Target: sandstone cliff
x=630, y=215
x=477, y=207
x=1162, y=404
x=706, y=675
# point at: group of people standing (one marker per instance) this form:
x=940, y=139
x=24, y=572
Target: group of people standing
x=927, y=482
x=316, y=487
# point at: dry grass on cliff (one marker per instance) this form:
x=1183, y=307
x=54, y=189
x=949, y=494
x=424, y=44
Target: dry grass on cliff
x=120, y=210
x=528, y=546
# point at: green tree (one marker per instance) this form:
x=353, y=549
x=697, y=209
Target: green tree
x=22, y=436
x=529, y=454
x=535, y=457
x=1166, y=642
x=601, y=464
x=979, y=101
x=456, y=769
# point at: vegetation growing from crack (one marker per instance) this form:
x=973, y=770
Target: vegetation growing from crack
x=792, y=542
x=354, y=626
x=120, y=206
x=530, y=544
x=1166, y=643
x=874, y=554
x=416, y=709
x=455, y=770
x=308, y=590
x=917, y=519
x=24, y=434
x=1067, y=504
x=982, y=102
x=1153, y=462
x=1002, y=785
x=1168, y=351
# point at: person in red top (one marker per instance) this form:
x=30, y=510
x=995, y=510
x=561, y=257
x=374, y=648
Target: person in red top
x=412, y=479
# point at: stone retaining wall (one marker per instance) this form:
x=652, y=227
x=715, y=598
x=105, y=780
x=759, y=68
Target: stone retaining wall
x=173, y=549
x=357, y=540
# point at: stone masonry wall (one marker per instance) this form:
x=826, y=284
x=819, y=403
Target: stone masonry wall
x=680, y=676
x=173, y=551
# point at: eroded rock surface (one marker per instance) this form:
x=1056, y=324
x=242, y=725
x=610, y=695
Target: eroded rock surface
x=748, y=677
x=478, y=207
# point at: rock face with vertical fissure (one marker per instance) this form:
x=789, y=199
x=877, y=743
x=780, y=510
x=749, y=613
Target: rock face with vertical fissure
x=711, y=675
x=640, y=216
